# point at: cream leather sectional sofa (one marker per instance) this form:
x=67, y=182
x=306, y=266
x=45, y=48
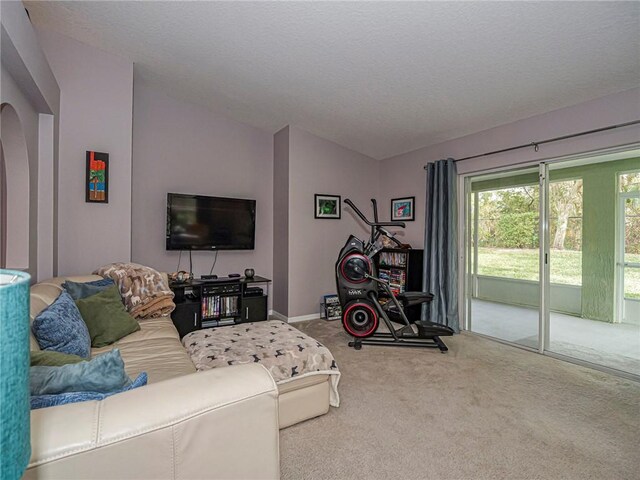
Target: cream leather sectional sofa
x=221, y=423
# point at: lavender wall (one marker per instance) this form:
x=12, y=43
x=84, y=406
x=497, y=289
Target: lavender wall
x=29, y=86
x=19, y=134
x=183, y=148
x=404, y=175
x=95, y=114
x=317, y=165
x=281, y=221
x=47, y=161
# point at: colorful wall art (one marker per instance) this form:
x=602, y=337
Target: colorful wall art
x=97, y=177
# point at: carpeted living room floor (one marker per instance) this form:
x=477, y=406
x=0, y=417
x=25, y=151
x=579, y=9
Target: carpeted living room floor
x=484, y=410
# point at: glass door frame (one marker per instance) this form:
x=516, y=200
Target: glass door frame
x=468, y=261
x=621, y=264
x=543, y=255
x=466, y=250
x=465, y=281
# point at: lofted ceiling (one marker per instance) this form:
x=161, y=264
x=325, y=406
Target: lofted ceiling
x=381, y=78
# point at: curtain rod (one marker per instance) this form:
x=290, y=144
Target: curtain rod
x=535, y=145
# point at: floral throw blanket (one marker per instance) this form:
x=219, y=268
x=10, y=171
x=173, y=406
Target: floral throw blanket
x=144, y=291
x=286, y=352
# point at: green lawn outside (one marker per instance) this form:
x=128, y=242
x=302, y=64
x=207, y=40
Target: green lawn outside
x=566, y=266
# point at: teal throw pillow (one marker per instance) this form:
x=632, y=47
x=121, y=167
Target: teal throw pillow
x=106, y=317
x=103, y=374
x=79, y=290
x=43, y=401
x=60, y=328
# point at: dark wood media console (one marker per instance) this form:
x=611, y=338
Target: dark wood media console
x=220, y=302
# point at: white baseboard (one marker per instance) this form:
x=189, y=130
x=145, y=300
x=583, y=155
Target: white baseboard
x=277, y=316
x=304, y=318
x=301, y=318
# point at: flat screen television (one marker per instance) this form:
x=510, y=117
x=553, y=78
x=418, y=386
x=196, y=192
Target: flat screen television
x=198, y=222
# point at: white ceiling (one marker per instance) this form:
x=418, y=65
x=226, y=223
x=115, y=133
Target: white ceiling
x=381, y=78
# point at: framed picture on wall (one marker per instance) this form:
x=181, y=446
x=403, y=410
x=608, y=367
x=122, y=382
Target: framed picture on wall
x=402, y=209
x=97, y=178
x=327, y=206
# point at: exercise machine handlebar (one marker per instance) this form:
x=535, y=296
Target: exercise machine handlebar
x=373, y=224
x=374, y=202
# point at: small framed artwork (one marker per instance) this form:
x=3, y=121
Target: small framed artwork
x=327, y=206
x=402, y=209
x=97, y=178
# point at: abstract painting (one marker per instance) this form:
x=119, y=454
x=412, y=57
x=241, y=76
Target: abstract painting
x=327, y=206
x=402, y=209
x=97, y=179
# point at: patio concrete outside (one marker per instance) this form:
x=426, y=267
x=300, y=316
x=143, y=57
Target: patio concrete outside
x=614, y=345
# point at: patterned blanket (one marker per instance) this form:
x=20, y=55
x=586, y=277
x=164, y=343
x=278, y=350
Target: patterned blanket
x=286, y=352
x=144, y=291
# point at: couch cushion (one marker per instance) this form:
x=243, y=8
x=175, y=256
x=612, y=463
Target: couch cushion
x=106, y=317
x=45, y=293
x=104, y=373
x=43, y=401
x=53, y=359
x=303, y=382
x=60, y=328
x=79, y=290
x=155, y=348
x=151, y=329
x=161, y=358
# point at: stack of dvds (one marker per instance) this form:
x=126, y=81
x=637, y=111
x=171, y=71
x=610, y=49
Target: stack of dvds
x=393, y=259
x=396, y=278
x=218, y=306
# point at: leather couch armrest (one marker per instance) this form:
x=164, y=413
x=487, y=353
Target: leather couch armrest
x=221, y=423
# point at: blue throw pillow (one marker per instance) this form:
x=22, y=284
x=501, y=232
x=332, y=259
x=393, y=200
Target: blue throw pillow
x=42, y=401
x=79, y=290
x=102, y=374
x=60, y=328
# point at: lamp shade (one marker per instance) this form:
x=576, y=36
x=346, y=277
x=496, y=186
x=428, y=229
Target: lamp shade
x=15, y=438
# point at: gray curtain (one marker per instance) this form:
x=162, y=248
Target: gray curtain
x=440, y=268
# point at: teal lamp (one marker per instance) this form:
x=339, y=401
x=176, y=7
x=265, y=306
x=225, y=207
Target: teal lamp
x=15, y=438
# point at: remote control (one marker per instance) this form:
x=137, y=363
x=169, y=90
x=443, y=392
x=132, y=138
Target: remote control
x=234, y=275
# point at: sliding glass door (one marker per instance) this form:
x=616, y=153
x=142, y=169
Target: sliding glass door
x=592, y=226
x=553, y=259
x=504, y=254
x=629, y=248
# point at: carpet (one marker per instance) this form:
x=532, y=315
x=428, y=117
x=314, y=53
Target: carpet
x=484, y=410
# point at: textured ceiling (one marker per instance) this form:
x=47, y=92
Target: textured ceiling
x=381, y=78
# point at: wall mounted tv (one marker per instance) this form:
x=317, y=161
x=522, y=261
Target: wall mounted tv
x=197, y=222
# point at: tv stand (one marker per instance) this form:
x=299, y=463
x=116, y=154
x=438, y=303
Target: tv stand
x=218, y=302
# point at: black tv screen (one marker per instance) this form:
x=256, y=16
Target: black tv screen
x=197, y=222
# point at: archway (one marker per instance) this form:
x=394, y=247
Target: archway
x=14, y=221
x=3, y=210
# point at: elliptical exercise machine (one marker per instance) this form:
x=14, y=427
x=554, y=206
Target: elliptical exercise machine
x=360, y=292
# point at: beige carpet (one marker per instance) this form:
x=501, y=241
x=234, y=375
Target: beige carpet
x=482, y=411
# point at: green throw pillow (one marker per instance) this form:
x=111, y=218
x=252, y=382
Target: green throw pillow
x=49, y=358
x=106, y=317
